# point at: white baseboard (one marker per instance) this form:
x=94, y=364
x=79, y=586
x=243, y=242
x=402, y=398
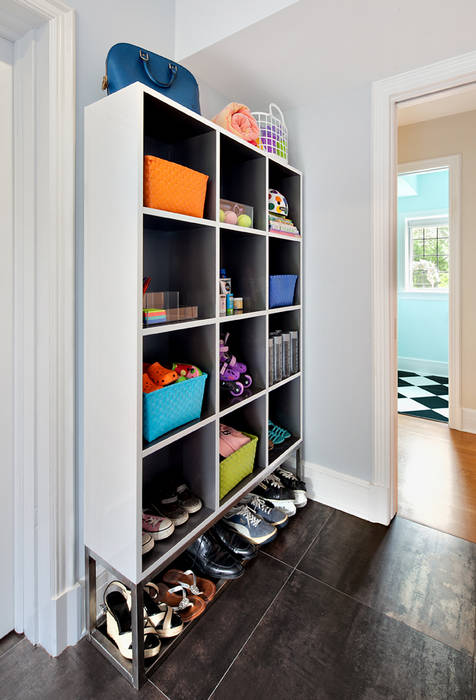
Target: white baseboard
x=347, y=493
x=415, y=364
x=468, y=423
x=65, y=615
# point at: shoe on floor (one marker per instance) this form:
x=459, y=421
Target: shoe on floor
x=147, y=542
x=187, y=499
x=212, y=561
x=272, y=489
x=247, y=524
x=242, y=549
x=157, y=526
x=290, y=481
x=170, y=507
x=266, y=510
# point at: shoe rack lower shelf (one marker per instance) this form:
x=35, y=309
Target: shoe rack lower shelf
x=99, y=638
x=153, y=562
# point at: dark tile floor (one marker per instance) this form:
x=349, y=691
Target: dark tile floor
x=334, y=608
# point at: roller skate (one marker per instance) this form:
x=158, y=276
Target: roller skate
x=225, y=356
x=229, y=379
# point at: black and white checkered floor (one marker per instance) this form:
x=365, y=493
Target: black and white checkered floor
x=423, y=396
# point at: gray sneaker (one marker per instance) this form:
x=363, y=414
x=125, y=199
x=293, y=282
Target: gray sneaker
x=247, y=524
x=266, y=510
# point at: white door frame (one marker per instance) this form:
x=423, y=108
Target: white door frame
x=48, y=598
x=386, y=94
x=453, y=163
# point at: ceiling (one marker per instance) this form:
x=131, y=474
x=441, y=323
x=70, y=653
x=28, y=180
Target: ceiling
x=443, y=104
x=323, y=45
x=16, y=20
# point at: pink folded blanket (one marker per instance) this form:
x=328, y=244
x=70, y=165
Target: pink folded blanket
x=239, y=120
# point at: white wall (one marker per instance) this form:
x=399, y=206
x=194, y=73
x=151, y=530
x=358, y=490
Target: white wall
x=200, y=24
x=6, y=346
x=330, y=141
x=100, y=25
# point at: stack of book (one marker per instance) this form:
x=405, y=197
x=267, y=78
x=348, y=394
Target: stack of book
x=283, y=355
x=280, y=224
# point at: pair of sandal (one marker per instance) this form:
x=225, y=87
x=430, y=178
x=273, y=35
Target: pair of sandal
x=188, y=594
x=160, y=619
x=276, y=435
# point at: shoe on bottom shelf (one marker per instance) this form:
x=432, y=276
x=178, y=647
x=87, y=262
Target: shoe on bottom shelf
x=147, y=542
x=272, y=489
x=242, y=549
x=266, y=510
x=157, y=526
x=247, y=524
x=212, y=561
x=298, y=487
x=119, y=623
x=188, y=500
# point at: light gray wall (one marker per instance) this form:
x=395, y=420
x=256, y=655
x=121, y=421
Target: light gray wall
x=330, y=142
x=100, y=25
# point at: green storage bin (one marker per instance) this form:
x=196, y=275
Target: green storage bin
x=238, y=465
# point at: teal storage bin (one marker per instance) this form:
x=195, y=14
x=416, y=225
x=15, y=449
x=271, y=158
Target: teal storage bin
x=172, y=406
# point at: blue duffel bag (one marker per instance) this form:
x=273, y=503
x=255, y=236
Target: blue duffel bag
x=127, y=64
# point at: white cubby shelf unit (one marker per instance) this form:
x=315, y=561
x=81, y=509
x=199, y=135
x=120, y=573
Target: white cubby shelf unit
x=124, y=242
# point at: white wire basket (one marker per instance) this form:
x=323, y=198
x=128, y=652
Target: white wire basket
x=273, y=132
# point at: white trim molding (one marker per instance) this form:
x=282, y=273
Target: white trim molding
x=468, y=420
x=48, y=605
x=386, y=94
x=345, y=492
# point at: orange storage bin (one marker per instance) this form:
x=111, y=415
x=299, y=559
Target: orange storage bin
x=173, y=187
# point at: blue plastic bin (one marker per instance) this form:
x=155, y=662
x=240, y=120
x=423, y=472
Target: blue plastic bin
x=281, y=290
x=172, y=406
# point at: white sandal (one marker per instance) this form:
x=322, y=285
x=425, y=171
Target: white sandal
x=119, y=622
x=165, y=620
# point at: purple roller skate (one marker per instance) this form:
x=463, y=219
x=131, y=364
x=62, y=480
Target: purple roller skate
x=233, y=364
x=229, y=379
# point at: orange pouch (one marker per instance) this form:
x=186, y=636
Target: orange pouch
x=173, y=187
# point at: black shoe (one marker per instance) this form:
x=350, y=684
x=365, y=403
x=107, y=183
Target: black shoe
x=240, y=548
x=210, y=560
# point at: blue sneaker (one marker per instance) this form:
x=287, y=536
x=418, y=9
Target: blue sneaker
x=266, y=510
x=247, y=524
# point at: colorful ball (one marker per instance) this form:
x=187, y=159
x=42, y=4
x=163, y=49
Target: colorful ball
x=231, y=217
x=277, y=203
x=244, y=220
x=222, y=215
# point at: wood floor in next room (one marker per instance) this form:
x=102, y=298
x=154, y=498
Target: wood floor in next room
x=335, y=608
x=437, y=476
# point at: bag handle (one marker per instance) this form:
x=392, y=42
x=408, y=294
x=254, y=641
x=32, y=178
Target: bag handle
x=281, y=115
x=172, y=67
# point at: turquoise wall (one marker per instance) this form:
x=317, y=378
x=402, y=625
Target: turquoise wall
x=422, y=316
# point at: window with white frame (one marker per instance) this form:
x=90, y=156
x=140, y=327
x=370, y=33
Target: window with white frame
x=427, y=254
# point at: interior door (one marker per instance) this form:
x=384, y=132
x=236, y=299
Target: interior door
x=6, y=338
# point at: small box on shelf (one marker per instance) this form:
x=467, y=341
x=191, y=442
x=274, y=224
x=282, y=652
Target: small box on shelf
x=160, y=307
x=236, y=213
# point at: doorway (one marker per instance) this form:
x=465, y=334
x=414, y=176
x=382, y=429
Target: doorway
x=424, y=239
x=435, y=220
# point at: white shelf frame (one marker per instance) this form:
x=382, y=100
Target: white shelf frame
x=114, y=449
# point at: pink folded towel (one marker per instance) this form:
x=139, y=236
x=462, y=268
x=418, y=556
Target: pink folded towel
x=239, y=120
x=231, y=440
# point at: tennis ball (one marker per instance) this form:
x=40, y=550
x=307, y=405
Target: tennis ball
x=222, y=215
x=244, y=220
x=230, y=217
